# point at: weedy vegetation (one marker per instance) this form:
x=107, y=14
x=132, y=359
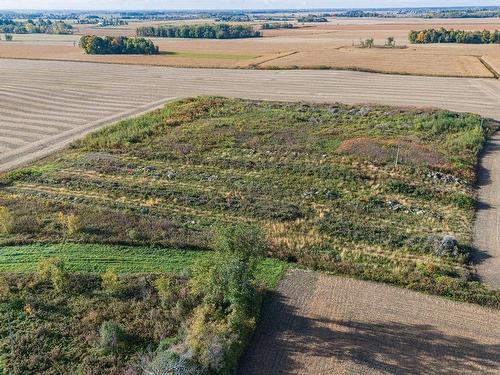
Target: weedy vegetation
x=196, y=321
x=372, y=192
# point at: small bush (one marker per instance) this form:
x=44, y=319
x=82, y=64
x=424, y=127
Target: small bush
x=53, y=269
x=70, y=222
x=169, y=362
x=9, y=37
x=111, y=282
x=4, y=289
x=6, y=221
x=112, y=337
x=167, y=288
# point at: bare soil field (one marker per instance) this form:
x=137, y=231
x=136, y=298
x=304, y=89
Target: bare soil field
x=308, y=46
x=46, y=104
x=319, y=324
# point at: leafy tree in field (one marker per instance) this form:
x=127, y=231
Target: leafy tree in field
x=95, y=45
x=226, y=282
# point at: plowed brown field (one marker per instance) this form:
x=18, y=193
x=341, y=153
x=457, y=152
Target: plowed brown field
x=47, y=104
x=317, y=324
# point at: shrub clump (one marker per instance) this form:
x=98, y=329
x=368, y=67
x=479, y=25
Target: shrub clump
x=6, y=221
x=111, y=336
x=53, y=270
x=111, y=282
x=222, y=324
x=95, y=45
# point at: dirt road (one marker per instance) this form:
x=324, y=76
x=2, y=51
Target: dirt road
x=317, y=324
x=487, y=226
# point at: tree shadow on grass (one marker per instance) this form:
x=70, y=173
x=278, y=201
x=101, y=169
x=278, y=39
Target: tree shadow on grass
x=392, y=348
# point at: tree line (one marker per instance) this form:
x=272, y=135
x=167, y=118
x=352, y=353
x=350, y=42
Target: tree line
x=312, y=18
x=277, y=25
x=39, y=26
x=216, y=31
x=95, y=45
x=454, y=36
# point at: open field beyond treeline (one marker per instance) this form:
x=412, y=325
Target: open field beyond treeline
x=327, y=45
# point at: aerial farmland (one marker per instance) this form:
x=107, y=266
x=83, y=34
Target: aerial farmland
x=254, y=192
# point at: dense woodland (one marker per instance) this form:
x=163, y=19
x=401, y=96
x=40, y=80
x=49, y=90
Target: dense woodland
x=216, y=31
x=277, y=25
x=95, y=45
x=312, y=18
x=102, y=22
x=454, y=36
x=39, y=26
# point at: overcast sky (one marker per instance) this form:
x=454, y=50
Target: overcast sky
x=228, y=4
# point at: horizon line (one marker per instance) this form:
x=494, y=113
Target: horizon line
x=242, y=9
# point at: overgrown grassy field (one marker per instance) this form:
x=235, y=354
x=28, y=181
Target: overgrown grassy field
x=368, y=192
x=102, y=309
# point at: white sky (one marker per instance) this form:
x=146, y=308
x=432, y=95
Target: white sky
x=229, y=4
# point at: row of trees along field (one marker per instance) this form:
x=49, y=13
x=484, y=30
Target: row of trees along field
x=216, y=31
x=312, y=18
x=454, y=36
x=95, y=45
x=39, y=26
x=277, y=25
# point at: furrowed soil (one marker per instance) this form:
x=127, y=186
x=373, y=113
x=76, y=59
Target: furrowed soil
x=318, y=324
x=67, y=100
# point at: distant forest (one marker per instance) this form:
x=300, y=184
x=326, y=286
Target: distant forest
x=454, y=36
x=277, y=25
x=312, y=18
x=216, y=31
x=423, y=13
x=39, y=26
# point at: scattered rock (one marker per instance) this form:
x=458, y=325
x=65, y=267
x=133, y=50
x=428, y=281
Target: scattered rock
x=448, y=245
x=364, y=111
x=314, y=121
x=447, y=178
